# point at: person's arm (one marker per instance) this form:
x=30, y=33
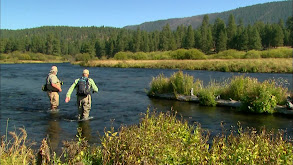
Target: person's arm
x=70, y=90
x=57, y=87
x=93, y=85
x=54, y=83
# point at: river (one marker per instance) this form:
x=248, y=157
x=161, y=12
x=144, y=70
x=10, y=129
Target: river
x=121, y=100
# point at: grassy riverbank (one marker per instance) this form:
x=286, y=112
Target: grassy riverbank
x=255, y=96
x=268, y=65
x=159, y=138
x=28, y=57
x=267, y=61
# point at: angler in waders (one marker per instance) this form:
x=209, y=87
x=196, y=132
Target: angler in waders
x=83, y=88
x=53, y=86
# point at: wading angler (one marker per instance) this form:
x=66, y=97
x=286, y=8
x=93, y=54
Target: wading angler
x=83, y=88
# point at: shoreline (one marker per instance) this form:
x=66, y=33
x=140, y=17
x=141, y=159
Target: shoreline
x=220, y=102
x=30, y=62
x=264, y=65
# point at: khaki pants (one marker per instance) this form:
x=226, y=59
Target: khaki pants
x=54, y=99
x=84, y=106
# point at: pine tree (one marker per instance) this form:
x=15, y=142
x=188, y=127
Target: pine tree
x=189, y=38
x=231, y=32
x=165, y=37
x=289, y=25
x=197, y=37
x=254, y=39
x=277, y=35
x=220, y=35
x=56, y=47
x=137, y=40
x=221, y=41
x=206, y=40
x=49, y=44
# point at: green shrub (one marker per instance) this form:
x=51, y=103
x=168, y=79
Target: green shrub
x=277, y=53
x=256, y=96
x=237, y=87
x=253, y=54
x=229, y=54
x=259, y=99
x=207, y=97
x=250, y=146
x=123, y=55
x=83, y=57
x=160, y=85
x=158, y=139
x=140, y=56
x=181, y=83
x=178, y=54
x=194, y=54
x=4, y=56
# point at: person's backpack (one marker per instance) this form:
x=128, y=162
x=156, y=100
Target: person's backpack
x=83, y=87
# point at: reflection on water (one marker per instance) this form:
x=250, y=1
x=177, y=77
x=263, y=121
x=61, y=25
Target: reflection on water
x=53, y=131
x=85, y=129
x=121, y=100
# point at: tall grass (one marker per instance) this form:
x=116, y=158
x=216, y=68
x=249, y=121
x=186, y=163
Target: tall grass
x=20, y=57
x=280, y=65
x=196, y=54
x=159, y=138
x=260, y=97
x=16, y=150
x=178, y=83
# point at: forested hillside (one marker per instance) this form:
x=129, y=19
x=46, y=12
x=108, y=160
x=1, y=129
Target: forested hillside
x=267, y=13
x=84, y=43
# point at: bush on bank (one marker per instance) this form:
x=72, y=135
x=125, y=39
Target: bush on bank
x=260, y=97
x=25, y=56
x=196, y=54
x=159, y=138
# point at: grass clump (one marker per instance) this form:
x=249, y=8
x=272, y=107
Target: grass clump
x=229, y=54
x=255, y=96
x=15, y=151
x=248, y=146
x=160, y=85
x=162, y=139
x=178, y=83
x=158, y=139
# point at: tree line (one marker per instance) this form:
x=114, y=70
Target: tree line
x=107, y=41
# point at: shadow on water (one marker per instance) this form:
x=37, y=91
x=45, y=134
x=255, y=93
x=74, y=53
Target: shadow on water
x=121, y=100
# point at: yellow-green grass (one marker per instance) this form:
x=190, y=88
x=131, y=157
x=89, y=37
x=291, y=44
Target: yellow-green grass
x=260, y=97
x=159, y=138
x=29, y=61
x=267, y=65
x=28, y=57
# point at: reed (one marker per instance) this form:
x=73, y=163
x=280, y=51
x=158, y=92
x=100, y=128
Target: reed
x=260, y=97
x=159, y=138
x=16, y=150
x=268, y=65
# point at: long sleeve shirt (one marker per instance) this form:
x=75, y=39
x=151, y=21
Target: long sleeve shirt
x=91, y=83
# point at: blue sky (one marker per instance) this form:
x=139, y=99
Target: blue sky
x=21, y=14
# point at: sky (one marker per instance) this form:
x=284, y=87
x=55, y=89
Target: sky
x=22, y=14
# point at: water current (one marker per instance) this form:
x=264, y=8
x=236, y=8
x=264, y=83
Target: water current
x=121, y=100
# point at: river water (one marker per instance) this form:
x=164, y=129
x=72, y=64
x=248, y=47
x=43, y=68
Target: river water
x=121, y=100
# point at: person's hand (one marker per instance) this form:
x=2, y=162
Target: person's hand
x=60, y=90
x=67, y=99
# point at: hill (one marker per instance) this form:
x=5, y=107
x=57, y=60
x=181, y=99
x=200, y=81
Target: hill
x=268, y=13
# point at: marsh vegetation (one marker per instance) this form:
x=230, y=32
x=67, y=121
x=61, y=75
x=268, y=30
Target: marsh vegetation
x=255, y=96
x=159, y=138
